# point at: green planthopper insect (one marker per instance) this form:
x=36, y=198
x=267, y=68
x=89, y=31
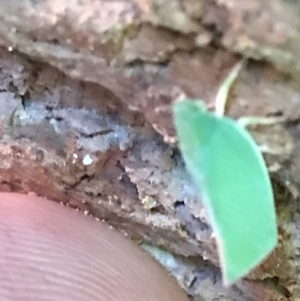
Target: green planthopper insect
x=230, y=172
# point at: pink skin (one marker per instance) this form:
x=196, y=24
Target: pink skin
x=49, y=252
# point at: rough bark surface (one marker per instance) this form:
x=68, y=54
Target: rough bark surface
x=85, y=117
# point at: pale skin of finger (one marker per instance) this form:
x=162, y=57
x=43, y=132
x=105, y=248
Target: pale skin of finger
x=50, y=252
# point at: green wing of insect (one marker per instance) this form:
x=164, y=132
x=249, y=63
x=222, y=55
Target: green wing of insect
x=231, y=174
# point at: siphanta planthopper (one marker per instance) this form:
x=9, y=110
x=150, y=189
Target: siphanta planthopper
x=230, y=172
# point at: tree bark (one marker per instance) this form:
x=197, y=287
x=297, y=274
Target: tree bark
x=86, y=93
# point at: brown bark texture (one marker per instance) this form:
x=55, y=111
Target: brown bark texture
x=86, y=92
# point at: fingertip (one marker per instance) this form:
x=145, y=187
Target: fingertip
x=50, y=252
